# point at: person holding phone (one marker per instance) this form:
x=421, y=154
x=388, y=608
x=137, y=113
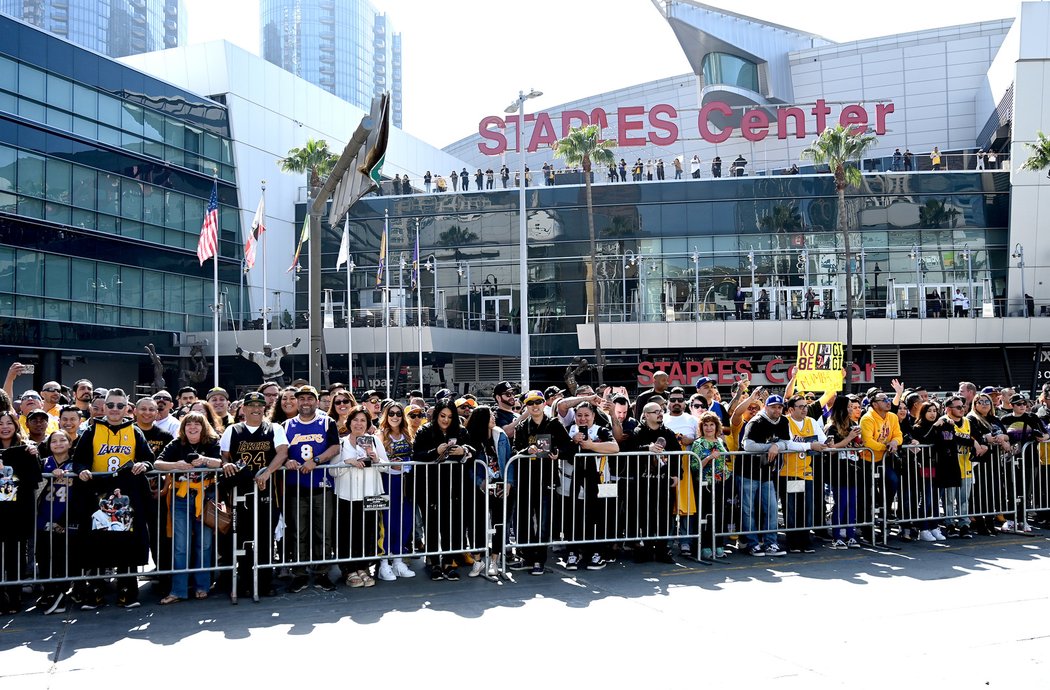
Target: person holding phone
x=195, y=448
x=653, y=476
x=356, y=475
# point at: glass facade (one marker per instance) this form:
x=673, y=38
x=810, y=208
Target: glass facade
x=112, y=27
x=104, y=179
x=676, y=251
x=346, y=47
x=730, y=70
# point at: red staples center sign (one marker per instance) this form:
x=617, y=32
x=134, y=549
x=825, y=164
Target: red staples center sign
x=659, y=125
x=769, y=371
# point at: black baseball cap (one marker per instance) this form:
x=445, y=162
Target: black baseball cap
x=253, y=398
x=503, y=387
x=550, y=391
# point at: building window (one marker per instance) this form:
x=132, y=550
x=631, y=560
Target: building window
x=730, y=70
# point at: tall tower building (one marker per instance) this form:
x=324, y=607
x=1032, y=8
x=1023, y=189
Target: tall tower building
x=346, y=47
x=112, y=27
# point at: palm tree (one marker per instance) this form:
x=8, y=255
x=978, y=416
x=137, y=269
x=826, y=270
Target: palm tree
x=1040, y=157
x=315, y=159
x=584, y=148
x=838, y=147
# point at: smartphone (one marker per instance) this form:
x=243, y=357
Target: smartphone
x=661, y=443
x=190, y=457
x=452, y=441
x=28, y=368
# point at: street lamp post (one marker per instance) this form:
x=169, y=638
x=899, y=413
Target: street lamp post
x=754, y=293
x=969, y=277
x=523, y=249
x=629, y=258
x=461, y=268
x=350, y=266
x=1019, y=255
x=916, y=256
x=863, y=283
x=696, y=280
x=877, y=272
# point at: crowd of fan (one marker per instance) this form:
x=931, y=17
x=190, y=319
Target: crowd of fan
x=97, y=454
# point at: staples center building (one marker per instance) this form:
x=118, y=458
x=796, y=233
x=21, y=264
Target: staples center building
x=671, y=254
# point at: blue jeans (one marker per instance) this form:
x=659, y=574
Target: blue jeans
x=192, y=543
x=760, y=528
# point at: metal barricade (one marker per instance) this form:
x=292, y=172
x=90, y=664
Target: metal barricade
x=797, y=494
x=345, y=516
x=1033, y=500
x=923, y=492
x=593, y=500
x=82, y=532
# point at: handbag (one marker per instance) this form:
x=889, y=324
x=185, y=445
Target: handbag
x=217, y=516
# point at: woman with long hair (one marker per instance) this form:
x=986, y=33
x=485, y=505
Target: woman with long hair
x=356, y=476
x=441, y=443
x=286, y=406
x=710, y=471
x=19, y=477
x=921, y=473
x=195, y=448
x=988, y=475
x=206, y=409
x=843, y=432
x=494, y=451
x=396, y=436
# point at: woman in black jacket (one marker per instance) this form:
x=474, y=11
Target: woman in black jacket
x=19, y=478
x=439, y=489
x=920, y=474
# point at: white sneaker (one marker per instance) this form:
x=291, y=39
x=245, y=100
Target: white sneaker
x=936, y=532
x=1007, y=526
x=478, y=568
x=401, y=569
x=493, y=566
x=1025, y=527
x=386, y=573
x=926, y=535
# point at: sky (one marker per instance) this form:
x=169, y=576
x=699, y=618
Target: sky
x=465, y=59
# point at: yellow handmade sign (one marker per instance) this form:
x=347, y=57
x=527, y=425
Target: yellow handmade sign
x=819, y=366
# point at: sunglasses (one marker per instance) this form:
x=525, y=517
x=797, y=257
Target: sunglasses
x=116, y=406
x=532, y=403
x=415, y=415
x=676, y=400
x=51, y=390
x=697, y=406
x=395, y=413
x=373, y=401
x=341, y=402
x=463, y=407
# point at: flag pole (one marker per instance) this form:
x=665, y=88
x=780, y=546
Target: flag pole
x=386, y=305
x=419, y=307
x=218, y=306
x=349, y=307
x=265, y=310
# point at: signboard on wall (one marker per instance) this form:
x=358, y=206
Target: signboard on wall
x=818, y=366
x=765, y=371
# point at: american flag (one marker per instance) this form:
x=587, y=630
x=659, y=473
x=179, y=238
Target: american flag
x=257, y=229
x=209, y=240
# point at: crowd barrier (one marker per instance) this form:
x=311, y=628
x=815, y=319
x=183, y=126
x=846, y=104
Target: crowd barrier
x=595, y=500
x=153, y=525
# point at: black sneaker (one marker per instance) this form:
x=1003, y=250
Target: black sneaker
x=324, y=583
x=537, y=569
x=572, y=561
x=298, y=583
x=517, y=563
x=436, y=575
x=663, y=556
x=451, y=574
x=596, y=562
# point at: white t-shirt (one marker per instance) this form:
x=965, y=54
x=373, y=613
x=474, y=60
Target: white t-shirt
x=279, y=437
x=168, y=424
x=684, y=424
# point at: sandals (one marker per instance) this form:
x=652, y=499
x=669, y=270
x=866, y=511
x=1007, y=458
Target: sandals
x=200, y=595
x=170, y=599
x=367, y=579
x=355, y=580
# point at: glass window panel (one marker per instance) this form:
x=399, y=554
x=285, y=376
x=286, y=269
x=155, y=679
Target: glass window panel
x=153, y=233
x=56, y=310
x=59, y=92
x=29, y=307
x=130, y=199
x=85, y=128
x=194, y=297
x=82, y=312
x=192, y=140
x=153, y=320
x=174, y=133
x=130, y=317
x=174, y=301
x=108, y=135
x=85, y=101
x=8, y=102
x=8, y=74
x=8, y=169
x=194, y=214
x=154, y=149
x=8, y=203
x=59, y=119
x=174, y=209
x=153, y=288
x=108, y=193
x=30, y=208
x=56, y=276
x=7, y=269
x=152, y=125
x=174, y=156
x=106, y=314
x=29, y=273
x=131, y=228
x=131, y=118
x=31, y=110
x=31, y=82
x=212, y=147
x=30, y=173
x=58, y=180
x=109, y=111
x=131, y=142
x=131, y=289
x=82, y=277
x=56, y=212
x=152, y=204
x=83, y=219
x=83, y=187
x=107, y=223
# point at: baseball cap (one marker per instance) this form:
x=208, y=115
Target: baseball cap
x=703, y=381
x=413, y=408
x=370, y=393
x=442, y=394
x=30, y=395
x=217, y=391
x=466, y=401
x=253, y=397
x=550, y=391
x=503, y=387
x=100, y=393
x=36, y=413
x=990, y=389
x=533, y=396
x=306, y=390
x=1017, y=398
x=774, y=400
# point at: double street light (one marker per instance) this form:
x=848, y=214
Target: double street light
x=523, y=257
